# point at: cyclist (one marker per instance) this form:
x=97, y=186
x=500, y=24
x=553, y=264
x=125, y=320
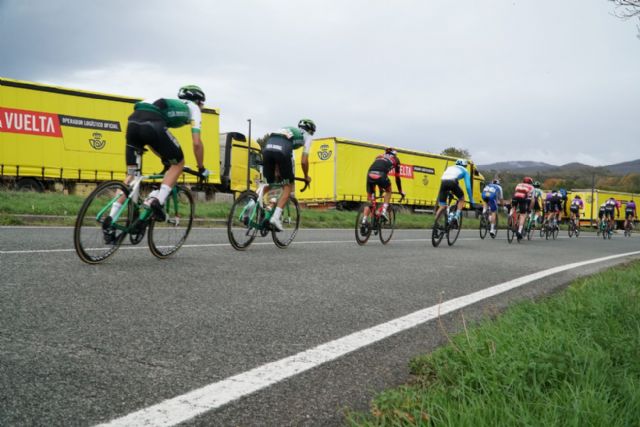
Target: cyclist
x=554, y=198
x=576, y=205
x=378, y=176
x=149, y=125
x=630, y=213
x=523, y=196
x=609, y=206
x=449, y=184
x=279, y=161
x=601, y=214
x=492, y=195
x=538, y=204
x=563, y=203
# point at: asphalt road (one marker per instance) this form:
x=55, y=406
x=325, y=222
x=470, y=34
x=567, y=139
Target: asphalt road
x=83, y=345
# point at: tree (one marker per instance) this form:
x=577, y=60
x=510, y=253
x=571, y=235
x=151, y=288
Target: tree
x=462, y=153
x=626, y=9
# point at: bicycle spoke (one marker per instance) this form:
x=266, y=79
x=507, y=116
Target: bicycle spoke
x=290, y=222
x=166, y=237
x=243, y=219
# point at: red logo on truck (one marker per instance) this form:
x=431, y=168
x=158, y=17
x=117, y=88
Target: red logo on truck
x=29, y=122
x=406, y=171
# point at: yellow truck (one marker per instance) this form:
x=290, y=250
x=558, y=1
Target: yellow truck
x=338, y=169
x=55, y=137
x=592, y=200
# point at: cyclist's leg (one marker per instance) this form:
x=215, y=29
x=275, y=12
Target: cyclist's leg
x=166, y=146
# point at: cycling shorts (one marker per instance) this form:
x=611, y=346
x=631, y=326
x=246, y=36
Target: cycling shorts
x=491, y=202
x=278, y=165
x=449, y=186
x=377, y=179
x=147, y=128
x=574, y=209
x=522, y=205
x=629, y=213
x=609, y=211
x=601, y=213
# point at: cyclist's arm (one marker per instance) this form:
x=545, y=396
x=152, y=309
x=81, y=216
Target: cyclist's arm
x=196, y=125
x=398, y=180
x=467, y=183
x=304, y=161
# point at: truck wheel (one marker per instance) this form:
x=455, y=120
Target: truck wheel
x=29, y=184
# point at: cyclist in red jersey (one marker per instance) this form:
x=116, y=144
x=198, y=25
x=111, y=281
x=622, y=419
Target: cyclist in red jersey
x=377, y=176
x=523, y=196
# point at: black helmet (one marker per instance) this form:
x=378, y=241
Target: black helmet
x=391, y=150
x=192, y=93
x=308, y=125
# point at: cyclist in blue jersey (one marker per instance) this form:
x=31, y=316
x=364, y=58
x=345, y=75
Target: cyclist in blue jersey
x=492, y=195
x=279, y=161
x=449, y=184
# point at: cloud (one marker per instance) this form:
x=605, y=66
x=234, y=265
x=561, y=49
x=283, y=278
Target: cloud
x=493, y=77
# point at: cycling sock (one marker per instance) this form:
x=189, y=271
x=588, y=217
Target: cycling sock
x=163, y=193
x=277, y=213
x=520, y=230
x=114, y=209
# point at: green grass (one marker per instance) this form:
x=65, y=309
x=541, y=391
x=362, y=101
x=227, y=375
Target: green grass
x=66, y=207
x=570, y=360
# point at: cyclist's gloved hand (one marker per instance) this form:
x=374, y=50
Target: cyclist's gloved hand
x=204, y=172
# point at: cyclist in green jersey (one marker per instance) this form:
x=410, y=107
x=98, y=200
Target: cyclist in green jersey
x=538, y=203
x=149, y=126
x=279, y=161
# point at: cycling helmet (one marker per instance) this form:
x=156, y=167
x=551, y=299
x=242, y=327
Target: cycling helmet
x=308, y=125
x=391, y=150
x=527, y=180
x=496, y=181
x=536, y=184
x=462, y=162
x=578, y=196
x=192, y=93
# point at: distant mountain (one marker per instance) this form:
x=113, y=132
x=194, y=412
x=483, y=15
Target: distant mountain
x=625, y=168
x=528, y=167
x=520, y=166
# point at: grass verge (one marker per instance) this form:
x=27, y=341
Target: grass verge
x=28, y=208
x=570, y=360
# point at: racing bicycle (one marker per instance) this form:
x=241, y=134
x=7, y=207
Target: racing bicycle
x=447, y=223
x=375, y=222
x=97, y=235
x=628, y=228
x=485, y=224
x=250, y=216
x=574, y=227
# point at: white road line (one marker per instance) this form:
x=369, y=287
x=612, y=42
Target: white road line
x=182, y=408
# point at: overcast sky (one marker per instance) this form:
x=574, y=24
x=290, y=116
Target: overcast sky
x=545, y=80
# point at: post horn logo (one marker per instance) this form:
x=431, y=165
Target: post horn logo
x=324, y=153
x=97, y=142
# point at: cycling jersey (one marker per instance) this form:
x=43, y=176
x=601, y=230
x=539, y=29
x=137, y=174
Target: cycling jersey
x=278, y=152
x=522, y=195
x=630, y=210
x=537, y=196
x=175, y=112
x=553, y=201
x=149, y=123
x=296, y=137
x=610, y=206
x=576, y=205
x=449, y=184
x=491, y=193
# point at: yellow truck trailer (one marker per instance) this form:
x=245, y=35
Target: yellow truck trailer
x=338, y=169
x=53, y=136
x=592, y=200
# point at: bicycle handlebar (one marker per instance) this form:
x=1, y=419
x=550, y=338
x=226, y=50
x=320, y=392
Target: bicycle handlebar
x=306, y=184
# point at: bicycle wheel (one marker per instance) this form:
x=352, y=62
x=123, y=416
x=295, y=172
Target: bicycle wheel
x=363, y=231
x=577, y=230
x=243, y=220
x=570, y=229
x=439, y=228
x=510, y=229
x=166, y=237
x=95, y=236
x=452, y=234
x=484, y=226
x=290, y=224
x=555, y=232
x=386, y=227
